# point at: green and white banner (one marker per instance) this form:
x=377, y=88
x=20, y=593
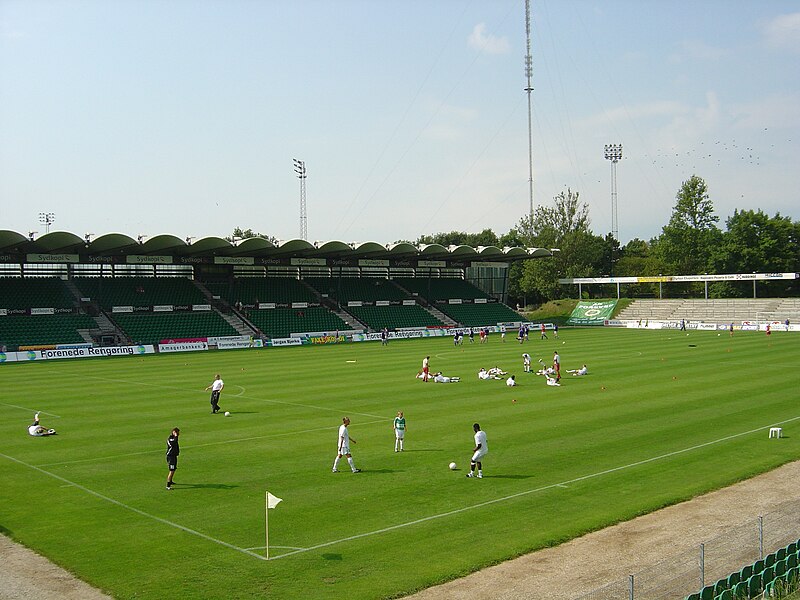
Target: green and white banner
x=592, y=313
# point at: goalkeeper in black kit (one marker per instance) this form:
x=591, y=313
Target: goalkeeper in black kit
x=173, y=450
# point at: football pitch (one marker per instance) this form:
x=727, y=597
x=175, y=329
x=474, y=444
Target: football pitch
x=660, y=418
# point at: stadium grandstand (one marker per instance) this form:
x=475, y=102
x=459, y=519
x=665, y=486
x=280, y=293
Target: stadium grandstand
x=62, y=289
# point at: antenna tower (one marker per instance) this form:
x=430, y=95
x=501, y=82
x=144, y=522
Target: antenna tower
x=528, y=90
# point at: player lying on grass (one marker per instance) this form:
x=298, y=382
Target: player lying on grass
x=578, y=372
x=490, y=374
x=552, y=381
x=37, y=430
x=439, y=378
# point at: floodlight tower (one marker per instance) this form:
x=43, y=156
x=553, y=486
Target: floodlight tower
x=47, y=219
x=300, y=169
x=613, y=152
x=528, y=90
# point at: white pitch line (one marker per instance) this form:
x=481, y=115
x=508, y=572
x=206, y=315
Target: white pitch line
x=264, y=547
x=528, y=492
x=33, y=410
x=134, y=510
x=193, y=446
x=239, y=394
x=180, y=389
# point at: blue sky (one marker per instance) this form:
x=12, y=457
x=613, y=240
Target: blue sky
x=183, y=117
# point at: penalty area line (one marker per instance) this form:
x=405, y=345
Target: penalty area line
x=30, y=409
x=543, y=488
x=134, y=510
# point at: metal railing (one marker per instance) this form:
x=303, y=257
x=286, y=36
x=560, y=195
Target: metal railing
x=676, y=577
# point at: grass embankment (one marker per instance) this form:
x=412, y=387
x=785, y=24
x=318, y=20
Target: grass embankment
x=558, y=311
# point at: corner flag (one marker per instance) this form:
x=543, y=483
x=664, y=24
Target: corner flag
x=272, y=502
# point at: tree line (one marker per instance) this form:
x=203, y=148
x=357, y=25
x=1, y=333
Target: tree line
x=690, y=243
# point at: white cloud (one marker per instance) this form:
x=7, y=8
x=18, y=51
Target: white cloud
x=487, y=42
x=783, y=31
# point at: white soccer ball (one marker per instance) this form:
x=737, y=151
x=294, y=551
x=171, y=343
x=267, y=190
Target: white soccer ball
x=452, y=466
x=227, y=414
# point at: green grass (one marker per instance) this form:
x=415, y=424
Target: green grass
x=661, y=418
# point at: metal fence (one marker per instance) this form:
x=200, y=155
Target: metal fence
x=682, y=574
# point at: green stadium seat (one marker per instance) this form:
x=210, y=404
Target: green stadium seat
x=791, y=561
x=745, y=573
x=725, y=594
x=707, y=593
x=770, y=559
x=720, y=585
x=733, y=579
x=695, y=596
x=780, y=568
x=755, y=585
x=768, y=574
x=740, y=591
x=758, y=567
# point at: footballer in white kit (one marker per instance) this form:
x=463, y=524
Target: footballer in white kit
x=343, y=447
x=481, y=449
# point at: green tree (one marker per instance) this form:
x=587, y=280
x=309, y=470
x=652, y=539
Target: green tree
x=756, y=243
x=245, y=234
x=564, y=225
x=686, y=243
x=487, y=237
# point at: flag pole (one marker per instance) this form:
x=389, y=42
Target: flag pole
x=266, y=522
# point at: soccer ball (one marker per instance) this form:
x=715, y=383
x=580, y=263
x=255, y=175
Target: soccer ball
x=452, y=466
x=227, y=414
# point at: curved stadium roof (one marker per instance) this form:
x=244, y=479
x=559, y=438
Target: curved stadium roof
x=116, y=244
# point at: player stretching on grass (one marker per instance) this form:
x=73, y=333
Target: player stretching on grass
x=343, y=448
x=480, y=450
x=37, y=430
x=399, y=427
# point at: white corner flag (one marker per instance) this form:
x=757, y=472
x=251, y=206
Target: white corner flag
x=272, y=502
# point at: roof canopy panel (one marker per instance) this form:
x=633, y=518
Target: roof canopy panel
x=163, y=244
x=119, y=244
x=112, y=243
x=59, y=241
x=11, y=240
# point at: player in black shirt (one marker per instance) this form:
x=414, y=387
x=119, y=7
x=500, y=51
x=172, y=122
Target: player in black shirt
x=173, y=450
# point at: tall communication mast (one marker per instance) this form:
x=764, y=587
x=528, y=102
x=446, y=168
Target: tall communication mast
x=528, y=90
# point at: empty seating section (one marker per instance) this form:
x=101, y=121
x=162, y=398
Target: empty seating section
x=282, y=322
x=367, y=289
x=730, y=310
x=777, y=573
x=140, y=291
x=437, y=290
x=477, y=315
x=24, y=330
x=378, y=317
x=34, y=292
x=251, y=290
x=151, y=328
